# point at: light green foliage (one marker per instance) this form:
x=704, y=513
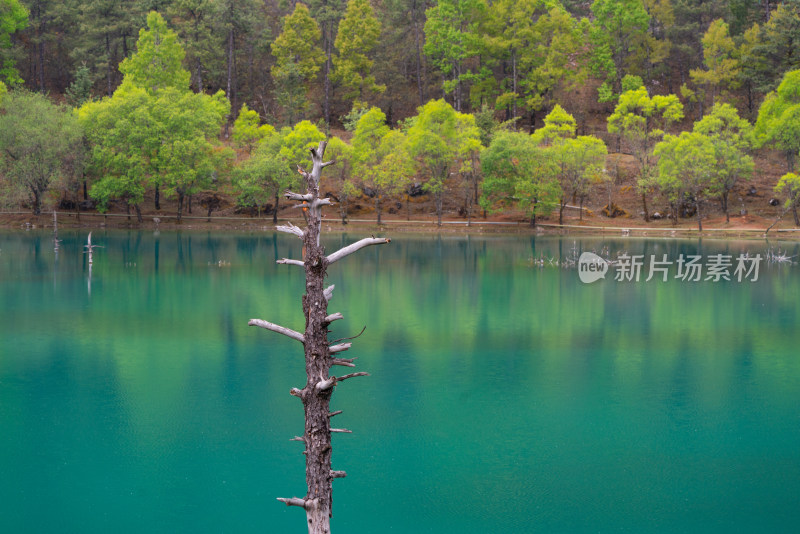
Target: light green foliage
x=265, y=175
x=542, y=46
x=789, y=186
x=778, y=122
x=380, y=157
x=157, y=62
x=297, y=59
x=730, y=136
x=297, y=142
x=721, y=65
x=370, y=129
x=558, y=125
x=356, y=40
x=13, y=18
x=519, y=173
x=339, y=177
x=247, y=130
x=619, y=27
x=438, y=139
x=40, y=143
x=642, y=120
x=3, y=92
x=631, y=82
x=350, y=121
x=686, y=166
x=118, y=130
x=579, y=162
x=452, y=35
x=167, y=139
x=153, y=130
x=777, y=47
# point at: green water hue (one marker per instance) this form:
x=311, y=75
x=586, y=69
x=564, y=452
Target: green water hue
x=503, y=398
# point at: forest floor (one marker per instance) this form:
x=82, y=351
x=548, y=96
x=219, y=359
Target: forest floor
x=750, y=212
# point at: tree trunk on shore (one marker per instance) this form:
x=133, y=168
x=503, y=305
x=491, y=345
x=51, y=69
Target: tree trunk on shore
x=320, y=355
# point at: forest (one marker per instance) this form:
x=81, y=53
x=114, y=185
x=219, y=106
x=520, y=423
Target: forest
x=479, y=106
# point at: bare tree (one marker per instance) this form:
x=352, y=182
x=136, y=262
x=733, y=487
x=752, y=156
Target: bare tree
x=320, y=355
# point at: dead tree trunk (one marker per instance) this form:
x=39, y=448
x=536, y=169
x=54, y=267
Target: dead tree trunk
x=320, y=355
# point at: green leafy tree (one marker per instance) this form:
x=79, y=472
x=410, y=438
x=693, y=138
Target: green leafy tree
x=297, y=60
x=439, y=139
x=13, y=18
x=452, y=35
x=157, y=63
x=721, y=65
x=558, y=125
x=777, y=49
x=248, y=130
x=380, y=157
x=543, y=46
x=642, y=120
x=265, y=175
x=691, y=19
x=686, y=168
x=297, y=142
x=519, y=173
x=195, y=21
x=579, y=161
x=749, y=68
x=356, y=40
x=40, y=143
x=154, y=130
x=789, y=186
x=107, y=27
x=328, y=14
x=778, y=123
x=342, y=181
x=730, y=136
x=619, y=27
x=80, y=90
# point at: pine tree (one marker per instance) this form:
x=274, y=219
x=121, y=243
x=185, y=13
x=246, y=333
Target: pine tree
x=356, y=40
x=297, y=60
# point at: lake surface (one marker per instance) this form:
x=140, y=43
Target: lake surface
x=504, y=396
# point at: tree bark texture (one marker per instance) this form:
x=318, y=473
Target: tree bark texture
x=320, y=356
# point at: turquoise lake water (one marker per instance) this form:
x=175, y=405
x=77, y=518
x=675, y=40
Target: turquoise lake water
x=503, y=396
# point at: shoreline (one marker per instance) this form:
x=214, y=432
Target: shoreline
x=751, y=229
